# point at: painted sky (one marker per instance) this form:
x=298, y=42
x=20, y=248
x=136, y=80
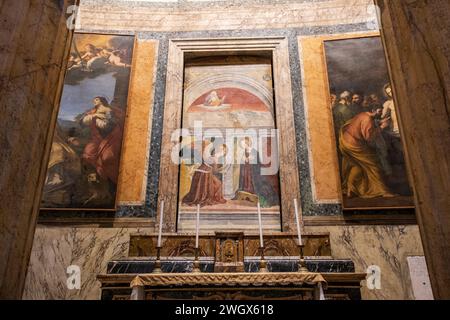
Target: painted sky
x=356, y=65
x=78, y=99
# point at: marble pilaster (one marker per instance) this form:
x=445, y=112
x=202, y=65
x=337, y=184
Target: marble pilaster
x=34, y=43
x=416, y=37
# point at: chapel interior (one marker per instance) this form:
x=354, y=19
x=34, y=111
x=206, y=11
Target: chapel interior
x=211, y=149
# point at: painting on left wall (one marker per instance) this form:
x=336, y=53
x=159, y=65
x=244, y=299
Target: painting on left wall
x=83, y=168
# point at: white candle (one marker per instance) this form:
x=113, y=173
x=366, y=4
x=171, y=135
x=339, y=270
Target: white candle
x=197, y=227
x=299, y=232
x=161, y=219
x=261, y=239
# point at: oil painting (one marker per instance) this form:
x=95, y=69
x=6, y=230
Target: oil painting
x=366, y=125
x=83, y=168
x=228, y=154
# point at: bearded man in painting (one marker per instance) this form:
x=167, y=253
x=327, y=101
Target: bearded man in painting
x=343, y=112
x=356, y=105
x=361, y=168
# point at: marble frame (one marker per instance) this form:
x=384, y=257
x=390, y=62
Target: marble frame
x=289, y=173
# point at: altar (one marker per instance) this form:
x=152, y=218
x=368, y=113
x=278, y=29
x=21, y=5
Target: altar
x=228, y=220
x=230, y=270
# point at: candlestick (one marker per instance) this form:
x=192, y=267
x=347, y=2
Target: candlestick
x=197, y=227
x=157, y=268
x=161, y=219
x=262, y=262
x=261, y=239
x=299, y=232
x=301, y=263
x=196, y=265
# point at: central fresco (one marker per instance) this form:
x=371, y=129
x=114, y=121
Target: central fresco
x=227, y=156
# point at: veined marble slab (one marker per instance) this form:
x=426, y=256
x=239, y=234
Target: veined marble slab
x=56, y=248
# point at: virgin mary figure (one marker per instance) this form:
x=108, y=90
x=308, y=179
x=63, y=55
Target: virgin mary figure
x=252, y=180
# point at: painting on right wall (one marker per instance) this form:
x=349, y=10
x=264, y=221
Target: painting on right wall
x=368, y=139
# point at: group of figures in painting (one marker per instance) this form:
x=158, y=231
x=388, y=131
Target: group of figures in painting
x=83, y=169
x=228, y=169
x=216, y=179
x=370, y=152
x=363, y=124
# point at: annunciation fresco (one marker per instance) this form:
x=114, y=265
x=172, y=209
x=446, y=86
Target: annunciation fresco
x=370, y=152
x=228, y=153
x=84, y=162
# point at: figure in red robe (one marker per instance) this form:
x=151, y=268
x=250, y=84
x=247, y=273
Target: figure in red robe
x=361, y=168
x=102, y=152
x=206, y=188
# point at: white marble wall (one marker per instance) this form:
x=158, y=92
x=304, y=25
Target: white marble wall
x=211, y=15
x=385, y=246
x=56, y=248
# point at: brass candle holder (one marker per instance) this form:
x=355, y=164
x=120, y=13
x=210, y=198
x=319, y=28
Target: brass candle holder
x=196, y=265
x=262, y=262
x=301, y=263
x=157, y=268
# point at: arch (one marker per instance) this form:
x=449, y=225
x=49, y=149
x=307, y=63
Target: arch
x=196, y=89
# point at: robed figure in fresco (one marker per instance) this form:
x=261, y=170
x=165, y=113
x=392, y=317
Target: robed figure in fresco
x=251, y=179
x=103, y=149
x=361, y=168
x=206, y=187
